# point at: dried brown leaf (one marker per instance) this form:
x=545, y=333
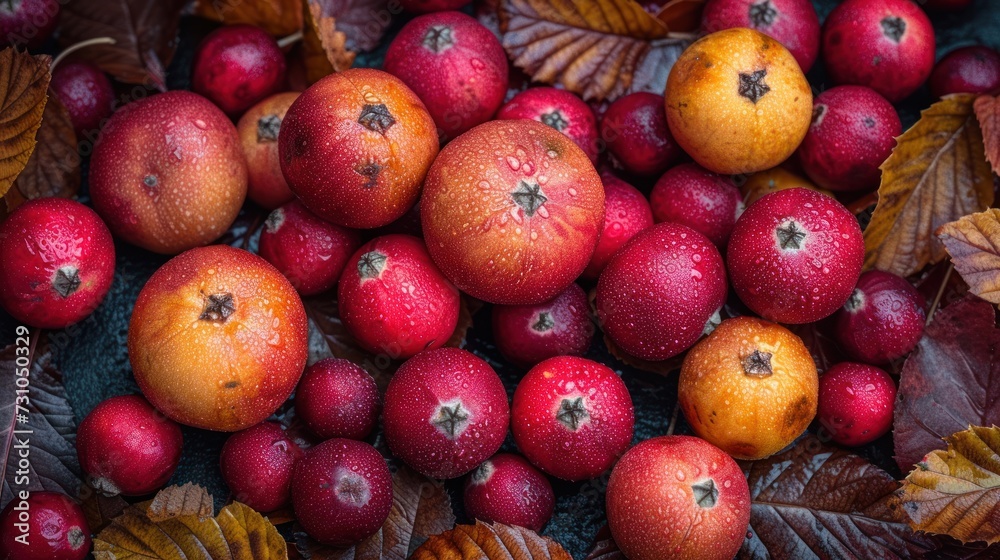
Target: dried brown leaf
x=988, y=114
x=949, y=382
x=490, y=542
x=145, y=35
x=682, y=15
x=323, y=46
x=974, y=245
x=599, y=49
x=24, y=81
x=100, y=509
x=277, y=17
x=818, y=501
x=957, y=492
x=605, y=547
x=53, y=462
x=420, y=508
x=936, y=174
x=363, y=21
x=237, y=533
x=181, y=501
x=54, y=166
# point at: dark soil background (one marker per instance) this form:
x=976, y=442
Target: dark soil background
x=93, y=359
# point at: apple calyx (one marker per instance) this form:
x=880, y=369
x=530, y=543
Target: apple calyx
x=268, y=128
x=758, y=364
x=706, y=493
x=529, y=197
x=438, y=38
x=371, y=264
x=66, y=281
x=376, y=117
x=451, y=419
x=752, y=85
x=218, y=307
x=572, y=413
x=544, y=322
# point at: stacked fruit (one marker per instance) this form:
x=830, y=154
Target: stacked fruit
x=510, y=211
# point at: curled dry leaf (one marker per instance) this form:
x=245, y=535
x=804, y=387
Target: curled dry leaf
x=420, y=508
x=936, y=174
x=323, y=46
x=949, y=382
x=100, y=509
x=45, y=424
x=181, y=501
x=599, y=49
x=24, y=81
x=277, y=17
x=682, y=15
x=364, y=22
x=145, y=35
x=988, y=113
x=237, y=533
x=957, y=492
x=54, y=166
x=974, y=245
x=818, y=501
x=490, y=542
x=605, y=547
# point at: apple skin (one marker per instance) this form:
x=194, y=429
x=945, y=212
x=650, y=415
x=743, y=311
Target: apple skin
x=886, y=45
x=87, y=94
x=626, y=213
x=560, y=109
x=678, y=497
x=236, y=66
x=168, y=173
x=59, y=522
x=259, y=128
x=28, y=23
x=218, y=339
x=355, y=148
x=512, y=211
x=660, y=291
x=572, y=417
x=455, y=65
x=57, y=262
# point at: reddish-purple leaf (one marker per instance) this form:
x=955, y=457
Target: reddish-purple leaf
x=951, y=380
x=818, y=501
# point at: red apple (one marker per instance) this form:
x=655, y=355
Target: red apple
x=512, y=211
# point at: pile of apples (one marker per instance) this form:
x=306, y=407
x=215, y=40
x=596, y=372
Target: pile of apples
x=368, y=207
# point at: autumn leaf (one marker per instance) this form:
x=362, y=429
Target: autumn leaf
x=99, y=509
x=145, y=35
x=181, y=501
x=949, y=382
x=490, y=542
x=599, y=49
x=323, y=46
x=54, y=166
x=988, y=113
x=24, y=81
x=818, y=501
x=957, y=492
x=48, y=416
x=935, y=175
x=682, y=15
x=974, y=245
x=277, y=17
x=237, y=533
x=364, y=22
x=605, y=547
x=420, y=508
